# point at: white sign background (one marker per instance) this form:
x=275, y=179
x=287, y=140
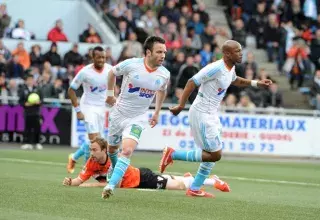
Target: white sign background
x=242, y=134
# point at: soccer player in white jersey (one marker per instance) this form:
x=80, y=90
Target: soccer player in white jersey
x=214, y=79
x=143, y=78
x=94, y=78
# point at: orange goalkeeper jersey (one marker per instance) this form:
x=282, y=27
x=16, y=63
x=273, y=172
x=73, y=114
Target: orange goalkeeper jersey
x=131, y=178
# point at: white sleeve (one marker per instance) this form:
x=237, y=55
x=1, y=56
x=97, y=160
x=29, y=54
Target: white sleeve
x=78, y=80
x=207, y=73
x=165, y=84
x=122, y=68
x=234, y=76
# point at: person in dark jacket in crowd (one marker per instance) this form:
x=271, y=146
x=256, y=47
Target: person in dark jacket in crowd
x=31, y=114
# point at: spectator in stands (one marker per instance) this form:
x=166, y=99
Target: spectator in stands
x=58, y=91
x=124, y=32
x=186, y=72
x=20, y=32
x=134, y=48
x=4, y=19
x=315, y=90
x=3, y=65
x=56, y=33
x=217, y=54
x=109, y=58
x=231, y=101
x=36, y=58
x=72, y=57
x=14, y=68
x=207, y=36
x=173, y=41
x=251, y=63
x=163, y=25
x=221, y=36
x=87, y=58
x=274, y=96
x=3, y=90
x=206, y=54
x=13, y=90
x=272, y=37
x=90, y=35
x=196, y=24
x=258, y=22
x=4, y=51
x=21, y=52
x=150, y=21
x=204, y=16
x=188, y=50
x=315, y=49
x=195, y=38
x=239, y=33
x=296, y=62
x=52, y=55
x=31, y=114
x=45, y=85
x=151, y=4
x=245, y=102
x=186, y=13
x=170, y=11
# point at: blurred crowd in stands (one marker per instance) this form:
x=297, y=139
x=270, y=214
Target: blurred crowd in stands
x=288, y=30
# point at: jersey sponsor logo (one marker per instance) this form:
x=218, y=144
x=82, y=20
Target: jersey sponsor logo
x=221, y=91
x=143, y=92
x=98, y=88
x=136, y=131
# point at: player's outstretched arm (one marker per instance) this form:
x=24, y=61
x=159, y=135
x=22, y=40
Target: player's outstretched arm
x=242, y=82
x=72, y=182
x=160, y=97
x=92, y=185
x=188, y=89
x=111, y=100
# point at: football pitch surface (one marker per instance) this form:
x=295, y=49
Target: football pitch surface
x=31, y=188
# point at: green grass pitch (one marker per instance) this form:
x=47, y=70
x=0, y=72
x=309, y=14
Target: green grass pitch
x=31, y=188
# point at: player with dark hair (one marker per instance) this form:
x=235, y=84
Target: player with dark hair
x=94, y=79
x=143, y=79
x=98, y=165
x=214, y=80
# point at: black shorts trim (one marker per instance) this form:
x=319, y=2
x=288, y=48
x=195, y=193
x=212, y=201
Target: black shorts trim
x=150, y=180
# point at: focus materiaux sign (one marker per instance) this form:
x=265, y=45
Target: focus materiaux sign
x=277, y=135
x=55, y=126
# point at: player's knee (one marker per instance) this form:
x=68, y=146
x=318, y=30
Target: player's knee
x=216, y=156
x=127, y=152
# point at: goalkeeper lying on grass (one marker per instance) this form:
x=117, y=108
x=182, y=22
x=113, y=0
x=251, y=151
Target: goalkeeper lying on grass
x=99, y=163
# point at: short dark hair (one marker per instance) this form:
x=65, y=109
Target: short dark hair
x=28, y=76
x=97, y=48
x=150, y=41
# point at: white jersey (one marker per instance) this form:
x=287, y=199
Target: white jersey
x=139, y=86
x=94, y=84
x=214, y=80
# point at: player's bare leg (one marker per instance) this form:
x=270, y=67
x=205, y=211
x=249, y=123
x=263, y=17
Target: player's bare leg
x=128, y=146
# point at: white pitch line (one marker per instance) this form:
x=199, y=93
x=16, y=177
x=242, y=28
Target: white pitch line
x=173, y=173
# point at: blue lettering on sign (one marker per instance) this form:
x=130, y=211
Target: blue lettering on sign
x=262, y=123
x=169, y=119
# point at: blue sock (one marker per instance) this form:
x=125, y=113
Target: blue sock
x=191, y=155
x=81, y=151
x=113, y=158
x=119, y=171
x=203, y=172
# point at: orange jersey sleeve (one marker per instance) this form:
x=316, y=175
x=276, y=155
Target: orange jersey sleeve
x=94, y=169
x=131, y=178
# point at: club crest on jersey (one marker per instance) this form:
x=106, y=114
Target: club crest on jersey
x=221, y=91
x=143, y=92
x=98, y=88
